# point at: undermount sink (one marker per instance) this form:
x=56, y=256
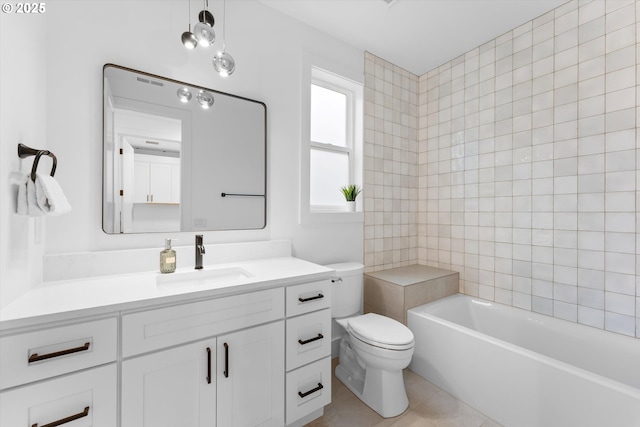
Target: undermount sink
x=207, y=277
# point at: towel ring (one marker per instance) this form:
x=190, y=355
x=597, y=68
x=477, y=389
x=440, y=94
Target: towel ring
x=24, y=151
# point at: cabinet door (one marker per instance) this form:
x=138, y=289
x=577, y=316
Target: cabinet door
x=84, y=399
x=175, y=387
x=141, y=182
x=160, y=182
x=251, y=377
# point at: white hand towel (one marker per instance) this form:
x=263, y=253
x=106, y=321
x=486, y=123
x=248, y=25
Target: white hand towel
x=22, y=207
x=27, y=204
x=50, y=197
x=32, y=204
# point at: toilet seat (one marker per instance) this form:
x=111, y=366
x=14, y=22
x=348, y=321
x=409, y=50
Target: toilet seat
x=381, y=331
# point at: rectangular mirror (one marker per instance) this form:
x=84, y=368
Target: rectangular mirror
x=180, y=157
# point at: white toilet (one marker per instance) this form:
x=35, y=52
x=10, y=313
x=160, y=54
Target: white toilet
x=374, y=349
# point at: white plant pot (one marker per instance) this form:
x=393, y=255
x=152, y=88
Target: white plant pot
x=351, y=206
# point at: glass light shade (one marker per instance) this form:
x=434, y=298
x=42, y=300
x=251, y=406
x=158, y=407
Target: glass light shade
x=184, y=94
x=224, y=64
x=205, y=99
x=205, y=34
x=189, y=40
x=206, y=17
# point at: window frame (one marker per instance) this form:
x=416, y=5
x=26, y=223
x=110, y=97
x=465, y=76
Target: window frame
x=348, y=147
x=350, y=84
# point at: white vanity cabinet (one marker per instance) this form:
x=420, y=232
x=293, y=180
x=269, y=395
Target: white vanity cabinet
x=64, y=374
x=253, y=354
x=225, y=378
x=308, y=350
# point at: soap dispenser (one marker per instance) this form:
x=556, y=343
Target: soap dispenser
x=167, y=258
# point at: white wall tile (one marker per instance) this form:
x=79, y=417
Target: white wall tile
x=566, y=311
x=592, y=183
x=590, y=316
x=591, y=298
x=619, y=323
x=620, y=18
x=619, y=59
x=592, y=49
x=619, y=303
x=620, y=181
x=620, y=283
x=542, y=305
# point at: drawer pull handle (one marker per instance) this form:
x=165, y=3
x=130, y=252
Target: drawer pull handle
x=313, y=390
x=208, y=365
x=319, y=296
x=226, y=360
x=319, y=337
x=66, y=420
x=35, y=357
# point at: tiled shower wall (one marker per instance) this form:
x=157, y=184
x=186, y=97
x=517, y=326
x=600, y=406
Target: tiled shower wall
x=390, y=187
x=526, y=166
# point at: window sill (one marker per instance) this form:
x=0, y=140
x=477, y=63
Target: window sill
x=331, y=217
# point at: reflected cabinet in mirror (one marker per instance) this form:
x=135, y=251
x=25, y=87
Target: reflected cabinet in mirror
x=179, y=157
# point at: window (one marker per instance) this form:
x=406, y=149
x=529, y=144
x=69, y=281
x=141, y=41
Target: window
x=334, y=137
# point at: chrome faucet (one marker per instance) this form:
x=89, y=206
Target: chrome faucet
x=199, y=251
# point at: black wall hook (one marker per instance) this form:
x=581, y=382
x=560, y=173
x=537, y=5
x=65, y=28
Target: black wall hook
x=24, y=151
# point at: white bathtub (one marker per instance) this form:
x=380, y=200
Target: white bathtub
x=525, y=369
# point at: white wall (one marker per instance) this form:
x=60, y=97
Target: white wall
x=23, y=95
x=267, y=47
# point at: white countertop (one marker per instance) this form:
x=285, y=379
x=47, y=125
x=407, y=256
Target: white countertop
x=64, y=300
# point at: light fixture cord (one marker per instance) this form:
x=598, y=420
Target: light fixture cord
x=224, y=25
x=189, y=15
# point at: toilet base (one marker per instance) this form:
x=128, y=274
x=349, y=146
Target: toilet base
x=382, y=391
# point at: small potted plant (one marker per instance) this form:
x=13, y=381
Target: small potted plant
x=350, y=193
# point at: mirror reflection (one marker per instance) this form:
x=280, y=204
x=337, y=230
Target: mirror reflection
x=179, y=157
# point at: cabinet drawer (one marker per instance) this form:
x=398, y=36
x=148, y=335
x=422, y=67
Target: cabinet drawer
x=308, y=389
x=308, y=338
x=88, y=397
x=308, y=297
x=41, y=354
x=155, y=329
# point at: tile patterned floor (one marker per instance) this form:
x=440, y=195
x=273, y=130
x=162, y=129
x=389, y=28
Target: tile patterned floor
x=429, y=406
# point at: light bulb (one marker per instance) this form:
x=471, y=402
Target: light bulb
x=184, y=94
x=224, y=64
x=205, y=99
x=204, y=34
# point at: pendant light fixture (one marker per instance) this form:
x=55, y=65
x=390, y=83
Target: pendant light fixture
x=188, y=38
x=206, y=17
x=184, y=94
x=224, y=63
x=205, y=99
x=204, y=29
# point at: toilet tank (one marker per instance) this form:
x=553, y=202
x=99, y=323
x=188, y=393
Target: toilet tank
x=346, y=290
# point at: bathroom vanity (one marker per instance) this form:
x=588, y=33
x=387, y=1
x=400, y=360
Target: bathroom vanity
x=242, y=344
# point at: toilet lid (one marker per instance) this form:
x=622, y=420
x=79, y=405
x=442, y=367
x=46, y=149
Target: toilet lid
x=381, y=331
